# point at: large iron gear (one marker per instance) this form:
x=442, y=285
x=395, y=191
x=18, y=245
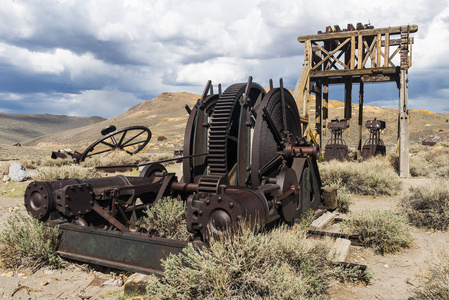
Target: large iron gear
x=229, y=133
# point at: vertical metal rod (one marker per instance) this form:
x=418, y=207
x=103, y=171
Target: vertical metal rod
x=248, y=85
x=271, y=84
x=211, y=89
x=206, y=89
x=284, y=113
x=219, y=89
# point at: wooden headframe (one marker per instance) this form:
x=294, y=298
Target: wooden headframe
x=357, y=54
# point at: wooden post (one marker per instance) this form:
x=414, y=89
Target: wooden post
x=348, y=101
x=318, y=110
x=404, y=168
x=360, y=53
x=325, y=105
x=360, y=124
x=387, y=51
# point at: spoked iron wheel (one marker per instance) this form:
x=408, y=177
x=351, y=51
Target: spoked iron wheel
x=270, y=136
x=130, y=139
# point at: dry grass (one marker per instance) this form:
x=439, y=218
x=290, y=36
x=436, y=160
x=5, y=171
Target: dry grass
x=434, y=284
x=45, y=162
x=4, y=168
x=26, y=242
x=373, y=177
x=117, y=158
x=384, y=231
x=428, y=206
x=67, y=172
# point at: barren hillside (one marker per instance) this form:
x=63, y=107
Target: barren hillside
x=166, y=116
x=20, y=127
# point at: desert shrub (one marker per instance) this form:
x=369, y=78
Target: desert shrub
x=354, y=274
x=373, y=177
x=430, y=160
x=434, y=284
x=116, y=158
x=384, y=231
x=280, y=264
x=66, y=172
x=46, y=162
x=26, y=242
x=427, y=206
x=419, y=166
x=166, y=218
x=344, y=200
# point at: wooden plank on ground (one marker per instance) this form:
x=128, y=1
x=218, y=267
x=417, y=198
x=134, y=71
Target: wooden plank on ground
x=341, y=249
x=325, y=220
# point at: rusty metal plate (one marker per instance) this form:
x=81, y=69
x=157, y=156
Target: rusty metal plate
x=126, y=251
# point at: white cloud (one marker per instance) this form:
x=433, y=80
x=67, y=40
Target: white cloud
x=142, y=48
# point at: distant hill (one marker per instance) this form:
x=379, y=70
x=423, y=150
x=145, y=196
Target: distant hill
x=166, y=116
x=16, y=128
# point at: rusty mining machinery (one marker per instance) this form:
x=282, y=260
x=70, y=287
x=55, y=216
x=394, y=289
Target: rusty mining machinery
x=244, y=160
x=374, y=145
x=336, y=147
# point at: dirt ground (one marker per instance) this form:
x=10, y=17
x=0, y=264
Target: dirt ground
x=75, y=281
x=394, y=274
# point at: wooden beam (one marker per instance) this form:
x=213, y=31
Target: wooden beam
x=352, y=64
x=318, y=111
x=369, y=52
x=387, y=50
x=404, y=168
x=348, y=98
x=360, y=53
x=360, y=123
x=330, y=54
x=348, y=34
x=366, y=71
x=325, y=105
x=379, y=48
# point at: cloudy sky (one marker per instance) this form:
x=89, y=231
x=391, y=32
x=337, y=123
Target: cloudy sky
x=100, y=57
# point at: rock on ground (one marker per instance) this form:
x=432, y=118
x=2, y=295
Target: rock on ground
x=17, y=172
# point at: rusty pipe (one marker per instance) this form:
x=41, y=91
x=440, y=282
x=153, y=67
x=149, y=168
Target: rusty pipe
x=313, y=151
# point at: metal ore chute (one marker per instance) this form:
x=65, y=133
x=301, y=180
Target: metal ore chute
x=245, y=159
x=336, y=147
x=374, y=145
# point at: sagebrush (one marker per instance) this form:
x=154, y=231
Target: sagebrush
x=280, y=264
x=385, y=231
x=430, y=160
x=26, y=242
x=166, y=218
x=427, y=205
x=373, y=177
